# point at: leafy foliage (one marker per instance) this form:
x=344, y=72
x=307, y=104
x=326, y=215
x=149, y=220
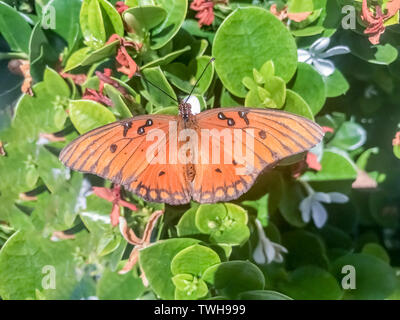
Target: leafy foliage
x=289, y=237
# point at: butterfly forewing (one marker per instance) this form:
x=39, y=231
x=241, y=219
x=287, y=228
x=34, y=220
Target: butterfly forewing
x=118, y=152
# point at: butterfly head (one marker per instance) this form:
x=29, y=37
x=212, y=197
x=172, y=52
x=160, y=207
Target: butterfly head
x=185, y=110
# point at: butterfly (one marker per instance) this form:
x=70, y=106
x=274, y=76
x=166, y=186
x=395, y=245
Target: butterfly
x=120, y=151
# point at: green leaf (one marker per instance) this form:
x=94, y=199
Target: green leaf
x=305, y=249
x=173, y=111
x=336, y=84
x=225, y=223
x=167, y=59
x=87, y=115
x=42, y=113
x=153, y=94
x=308, y=31
x=58, y=210
x=192, y=26
x=261, y=207
x=376, y=250
x=263, y=295
x=10, y=22
x=189, y=287
x=234, y=230
x=187, y=224
x=349, y=136
x=375, y=279
x=259, y=79
x=27, y=261
x=289, y=203
x=268, y=69
x=41, y=53
x=194, y=260
x=120, y=108
x=295, y=6
x=55, y=84
x=253, y=100
x=86, y=56
x=185, y=77
x=310, y=85
x=396, y=151
x=237, y=213
x=92, y=25
x=296, y=104
x=236, y=234
x=361, y=48
x=158, y=257
x=277, y=87
x=100, y=54
x=176, y=12
x=234, y=277
x=239, y=47
x=53, y=173
x=96, y=218
x=112, y=19
x=144, y=18
x=114, y=286
x=227, y=100
x=249, y=83
x=18, y=171
x=66, y=19
x=10, y=213
x=378, y=203
x=365, y=156
x=311, y=283
x=76, y=58
x=335, y=166
x=208, y=217
x=334, y=237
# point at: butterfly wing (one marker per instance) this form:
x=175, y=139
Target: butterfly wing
x=118, y=152
x=275, y=135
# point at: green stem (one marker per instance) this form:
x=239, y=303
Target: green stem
x=307, y=187
x=13, y=55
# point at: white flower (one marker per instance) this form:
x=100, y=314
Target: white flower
x=316, y=55
x=266, y=250
x=311, y=206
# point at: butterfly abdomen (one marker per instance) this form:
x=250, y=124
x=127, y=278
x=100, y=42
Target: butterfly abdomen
x=190, y=172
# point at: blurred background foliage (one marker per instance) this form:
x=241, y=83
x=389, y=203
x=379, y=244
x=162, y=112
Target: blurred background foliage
x=289, y=237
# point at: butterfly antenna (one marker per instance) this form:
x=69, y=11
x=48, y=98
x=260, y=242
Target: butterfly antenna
x=149, y=82
x=197, y=82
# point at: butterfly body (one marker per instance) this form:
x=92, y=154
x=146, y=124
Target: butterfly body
x=174, y=159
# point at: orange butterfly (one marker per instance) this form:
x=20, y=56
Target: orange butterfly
x=145, y=155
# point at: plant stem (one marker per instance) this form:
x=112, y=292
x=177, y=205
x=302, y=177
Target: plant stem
x=13, y=55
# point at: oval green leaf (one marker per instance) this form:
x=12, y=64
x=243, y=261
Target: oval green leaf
x=374, y=278
x=194, y=260
x=246, y=40
x=176, y=12
x=87, y=115
x=311, y=86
